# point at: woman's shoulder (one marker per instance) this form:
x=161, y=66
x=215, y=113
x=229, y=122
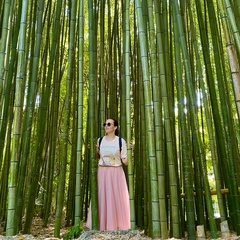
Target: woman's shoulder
x=100, y=139
x=122, y=139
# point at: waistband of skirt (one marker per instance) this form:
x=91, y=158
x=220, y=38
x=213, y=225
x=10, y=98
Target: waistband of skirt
x=109, y=166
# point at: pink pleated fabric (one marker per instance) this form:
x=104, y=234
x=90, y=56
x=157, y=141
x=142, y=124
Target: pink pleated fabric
x=113, y=200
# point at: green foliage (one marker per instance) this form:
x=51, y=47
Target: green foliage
x=73, y=232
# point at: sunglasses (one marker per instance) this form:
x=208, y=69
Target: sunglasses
x=107, y=124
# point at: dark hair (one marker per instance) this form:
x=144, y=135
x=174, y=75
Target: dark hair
x=116, y=125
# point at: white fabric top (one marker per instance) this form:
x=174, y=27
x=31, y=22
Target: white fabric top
x=110, y=152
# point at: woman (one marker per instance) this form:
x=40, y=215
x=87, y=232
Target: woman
x=113, y=197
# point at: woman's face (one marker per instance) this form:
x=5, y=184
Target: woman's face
x=109, y=126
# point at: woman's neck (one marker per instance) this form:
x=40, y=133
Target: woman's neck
x=110, y=136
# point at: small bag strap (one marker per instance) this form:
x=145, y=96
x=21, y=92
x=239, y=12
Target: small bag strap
x=100, y=140
x=120, y=144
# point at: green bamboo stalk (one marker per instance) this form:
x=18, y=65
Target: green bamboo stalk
x=6, y=167
x=232, y=58
x=148, y=216
x=122, y=83
x=92, y=139
x=72, y=173
x=86, y=196
x=155, y=231
x=1, y=9
x=125, y=62
x=79, y=187
x=113, y=83
x=102, y=87
x=155, y=69
x=9, y=85
x=138, y=165
x=159, y=124
x=6, y=43
x=52, y=146
x=109, y=60
x=236, y=8
x=145, y=181
x=6, y=29
x=143, y=212
x=18, y=108
x=128, y=110
x=233, y=23
x=171, y=146
x=163, y=26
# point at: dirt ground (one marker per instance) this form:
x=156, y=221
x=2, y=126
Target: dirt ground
x=39, y=232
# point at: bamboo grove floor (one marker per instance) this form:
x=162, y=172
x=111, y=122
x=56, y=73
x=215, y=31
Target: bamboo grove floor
x=39, y=233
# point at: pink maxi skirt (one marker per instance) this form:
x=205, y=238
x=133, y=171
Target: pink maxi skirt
x=113, y=200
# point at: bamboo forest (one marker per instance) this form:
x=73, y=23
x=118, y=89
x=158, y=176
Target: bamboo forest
x=167, y=70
